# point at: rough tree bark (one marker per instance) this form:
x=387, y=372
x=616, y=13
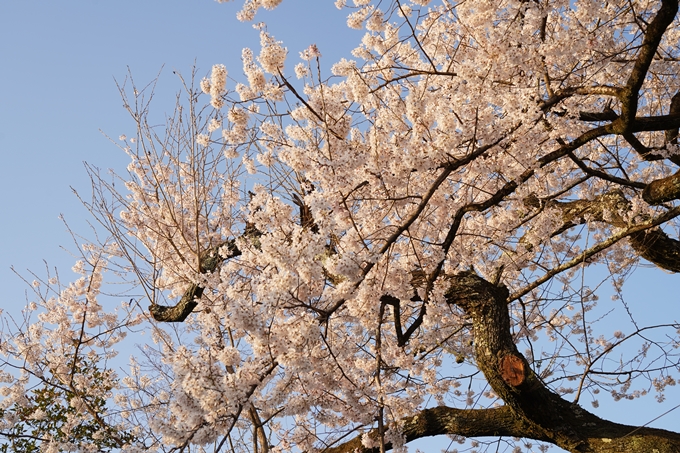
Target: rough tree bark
x=210, y=261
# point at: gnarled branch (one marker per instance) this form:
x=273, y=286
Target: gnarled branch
x=210, y=261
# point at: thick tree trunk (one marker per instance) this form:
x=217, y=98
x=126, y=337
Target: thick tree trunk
x=531, y=410
x=544, y=414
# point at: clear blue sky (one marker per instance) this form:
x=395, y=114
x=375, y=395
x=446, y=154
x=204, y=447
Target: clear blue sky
x=58, y=62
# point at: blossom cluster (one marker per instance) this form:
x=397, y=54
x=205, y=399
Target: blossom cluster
x=318, y=229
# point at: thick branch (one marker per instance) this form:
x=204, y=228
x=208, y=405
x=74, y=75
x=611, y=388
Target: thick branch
x=639, y=123
x=654, y=123
x=656, y=247
x=607, y=115
x=210, y=261
x=446, y=420
x=651, y=243
x=571, y=91
x=672, y=134
x=655, y=31
x=662, y=190
x=607, y=207
x=545, y=414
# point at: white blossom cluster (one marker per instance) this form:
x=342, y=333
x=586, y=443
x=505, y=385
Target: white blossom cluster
x=215, y=86
x=436, y=149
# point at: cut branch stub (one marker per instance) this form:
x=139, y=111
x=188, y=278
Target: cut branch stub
x=513, y=370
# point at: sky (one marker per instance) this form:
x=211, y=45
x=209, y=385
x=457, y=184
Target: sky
x=59, y=101
x=59, y=63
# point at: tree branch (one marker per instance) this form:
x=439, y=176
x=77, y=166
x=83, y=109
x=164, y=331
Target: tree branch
x=545, y=415
x=531, y=410
x=655, y=31
x=211, y=261
x=445, y=420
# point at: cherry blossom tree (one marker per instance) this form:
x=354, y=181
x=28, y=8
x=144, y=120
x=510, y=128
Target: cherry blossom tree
x=394, y=252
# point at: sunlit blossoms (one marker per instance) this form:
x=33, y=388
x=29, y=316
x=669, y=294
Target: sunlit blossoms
x=411, y=241
x=215, y=86
x=272, y=55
